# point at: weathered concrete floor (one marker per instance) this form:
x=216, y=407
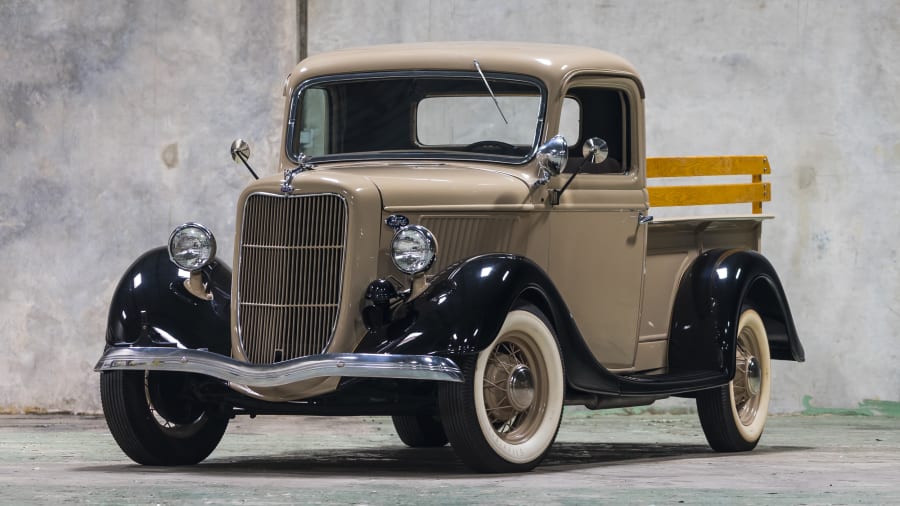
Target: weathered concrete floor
x=617, y=459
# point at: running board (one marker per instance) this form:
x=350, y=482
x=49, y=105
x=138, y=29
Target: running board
x=587, y=375
x=671, y=383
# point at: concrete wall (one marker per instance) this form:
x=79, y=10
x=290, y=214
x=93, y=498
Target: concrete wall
x=95, y=101
x=115, y=122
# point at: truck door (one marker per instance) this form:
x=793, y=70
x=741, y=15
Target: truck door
x=597, y=243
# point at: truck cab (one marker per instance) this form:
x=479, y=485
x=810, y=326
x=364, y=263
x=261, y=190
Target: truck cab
x=459, y=236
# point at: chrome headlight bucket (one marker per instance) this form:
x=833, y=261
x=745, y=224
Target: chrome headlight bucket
x=553, y=155
x=413, y=249
x=192, y=246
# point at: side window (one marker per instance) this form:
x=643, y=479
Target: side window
x=604, y=113
x=570, y=121
x=314, y=124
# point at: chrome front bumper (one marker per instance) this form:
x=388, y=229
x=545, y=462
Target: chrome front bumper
x=356, y=365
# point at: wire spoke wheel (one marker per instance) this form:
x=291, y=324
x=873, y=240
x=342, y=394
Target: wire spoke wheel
x=513, y=398
x=178, y=419
x=156, y=421
x=747, y=382
x=504, y=418
x=733, y=416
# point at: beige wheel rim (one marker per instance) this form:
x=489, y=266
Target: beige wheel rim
x=748, y=377
x=166, y=425
x=515, y=389
x=751, y=386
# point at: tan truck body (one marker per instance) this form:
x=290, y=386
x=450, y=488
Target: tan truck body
x=409, y=261
x=595, y=226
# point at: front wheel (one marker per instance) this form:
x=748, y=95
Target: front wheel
x=154, y=419
x=505, y=416
x=733, y=416
x=420, y=431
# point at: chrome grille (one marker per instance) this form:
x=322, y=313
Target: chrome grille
x=289, y=284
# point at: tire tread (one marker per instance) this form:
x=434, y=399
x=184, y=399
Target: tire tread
x=420, y=431
x=138, y=434
x=712, y=407
x=717, y=419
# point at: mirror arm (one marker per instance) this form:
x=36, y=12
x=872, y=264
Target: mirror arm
x=542, y=179
x=244, y=159
x=557, y=194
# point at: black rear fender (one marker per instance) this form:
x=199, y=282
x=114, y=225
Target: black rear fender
x=710, y=298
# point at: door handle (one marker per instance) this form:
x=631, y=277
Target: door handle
x=644, y=219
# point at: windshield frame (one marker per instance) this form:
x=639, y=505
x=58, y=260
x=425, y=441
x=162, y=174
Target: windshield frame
x=292, y=120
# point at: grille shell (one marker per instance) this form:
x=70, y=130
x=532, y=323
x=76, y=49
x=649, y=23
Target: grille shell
x=292, y=251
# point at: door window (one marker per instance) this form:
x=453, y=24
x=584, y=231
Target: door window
x=598, y=112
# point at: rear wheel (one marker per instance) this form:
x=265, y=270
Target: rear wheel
x=733, y=416
x=505, y=416
x=154, y=419
x=420, y=431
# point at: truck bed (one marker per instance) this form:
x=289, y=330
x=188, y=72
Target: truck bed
x=674, y=243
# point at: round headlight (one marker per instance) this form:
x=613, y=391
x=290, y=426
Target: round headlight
x=192, y=246
x=413, y=249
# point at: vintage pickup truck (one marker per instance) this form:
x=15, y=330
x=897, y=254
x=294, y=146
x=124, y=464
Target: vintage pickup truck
x=460, y=237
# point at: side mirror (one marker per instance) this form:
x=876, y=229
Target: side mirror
x=553, y=155
x=240, y=149
x=595, y=148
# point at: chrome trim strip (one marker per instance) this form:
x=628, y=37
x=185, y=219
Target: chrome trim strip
x=355, y=365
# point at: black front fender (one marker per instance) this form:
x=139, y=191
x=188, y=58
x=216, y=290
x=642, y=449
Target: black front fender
x=712, y=293
x=464, y=307
x=151, y=306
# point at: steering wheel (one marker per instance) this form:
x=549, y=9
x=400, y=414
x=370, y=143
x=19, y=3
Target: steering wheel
x=489, y=146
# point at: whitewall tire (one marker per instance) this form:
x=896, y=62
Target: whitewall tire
x=505, y=417
x=733, y=416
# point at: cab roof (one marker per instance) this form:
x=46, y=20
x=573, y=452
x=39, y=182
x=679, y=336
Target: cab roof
x=551, y=63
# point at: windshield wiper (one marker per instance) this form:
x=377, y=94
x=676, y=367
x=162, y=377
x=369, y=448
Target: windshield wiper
x=488, y=86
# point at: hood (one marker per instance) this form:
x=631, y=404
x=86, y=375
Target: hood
x=409, y=186
x=404, y=185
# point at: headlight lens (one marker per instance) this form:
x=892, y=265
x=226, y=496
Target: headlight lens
x=413, y=249
x=192, y=246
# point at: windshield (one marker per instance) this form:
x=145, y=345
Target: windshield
x=450, y=116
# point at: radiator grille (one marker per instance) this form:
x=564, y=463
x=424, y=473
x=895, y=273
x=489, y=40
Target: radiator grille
x=289, y=284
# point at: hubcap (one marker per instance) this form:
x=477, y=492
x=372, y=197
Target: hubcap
x=754, y=376
x=520, y=388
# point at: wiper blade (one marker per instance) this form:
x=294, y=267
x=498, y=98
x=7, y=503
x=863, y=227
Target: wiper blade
x=488, y=86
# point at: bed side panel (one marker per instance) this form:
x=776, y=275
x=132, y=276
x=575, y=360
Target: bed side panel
x=672, y=245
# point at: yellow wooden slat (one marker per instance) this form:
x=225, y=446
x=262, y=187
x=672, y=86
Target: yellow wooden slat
x=757, y=193
x=757, y=204
x=688, y=166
